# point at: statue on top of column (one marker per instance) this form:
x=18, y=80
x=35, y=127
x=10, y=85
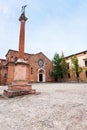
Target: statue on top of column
x=23, y=10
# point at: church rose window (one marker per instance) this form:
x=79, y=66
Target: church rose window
x=40, y=63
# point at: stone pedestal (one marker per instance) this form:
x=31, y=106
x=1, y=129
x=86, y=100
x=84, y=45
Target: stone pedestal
x=10, y=94
x=20, y=84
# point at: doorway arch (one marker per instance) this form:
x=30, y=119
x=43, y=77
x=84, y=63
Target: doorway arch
x=41, y=75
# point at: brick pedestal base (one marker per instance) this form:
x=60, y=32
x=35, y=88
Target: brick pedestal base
x=18, y=90
x=18, y=87
x=10, y=93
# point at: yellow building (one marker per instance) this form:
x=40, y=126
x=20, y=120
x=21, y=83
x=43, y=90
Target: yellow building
x=82, y=60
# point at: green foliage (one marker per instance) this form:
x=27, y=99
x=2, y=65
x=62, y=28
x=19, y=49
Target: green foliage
x=60, y=67
x=76, y=68
x=64, y=65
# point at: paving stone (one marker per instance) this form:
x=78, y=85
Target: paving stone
x=58, y=107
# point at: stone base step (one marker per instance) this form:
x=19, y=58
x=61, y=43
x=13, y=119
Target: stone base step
x=10, y=94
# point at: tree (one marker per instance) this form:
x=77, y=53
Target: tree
x=56, y=67
x=64, y=65
x=60, y=66
x=75, y=67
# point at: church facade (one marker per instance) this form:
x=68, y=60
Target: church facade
x=39, y=67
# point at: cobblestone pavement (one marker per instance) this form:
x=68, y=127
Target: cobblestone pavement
x=58, y=107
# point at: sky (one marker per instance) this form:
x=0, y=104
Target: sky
x=52, y=26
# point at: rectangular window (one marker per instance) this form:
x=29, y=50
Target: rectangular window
x=86, y=74
x=31, y=70
x=15, y=59
x=68, y=66
x=86, y=63
x=69, y=75
x=5, y=75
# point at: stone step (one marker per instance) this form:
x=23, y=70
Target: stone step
x=10, y=94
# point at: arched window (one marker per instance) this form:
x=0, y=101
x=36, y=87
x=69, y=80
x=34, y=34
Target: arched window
x=41, y=71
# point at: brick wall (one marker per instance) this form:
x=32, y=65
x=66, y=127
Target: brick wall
x=32, y=60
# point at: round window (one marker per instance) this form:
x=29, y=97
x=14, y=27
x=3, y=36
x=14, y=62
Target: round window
x=40, y=62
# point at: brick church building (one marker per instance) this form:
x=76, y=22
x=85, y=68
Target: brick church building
x=39, y=67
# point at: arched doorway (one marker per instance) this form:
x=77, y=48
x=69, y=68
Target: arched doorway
x=41, y=75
